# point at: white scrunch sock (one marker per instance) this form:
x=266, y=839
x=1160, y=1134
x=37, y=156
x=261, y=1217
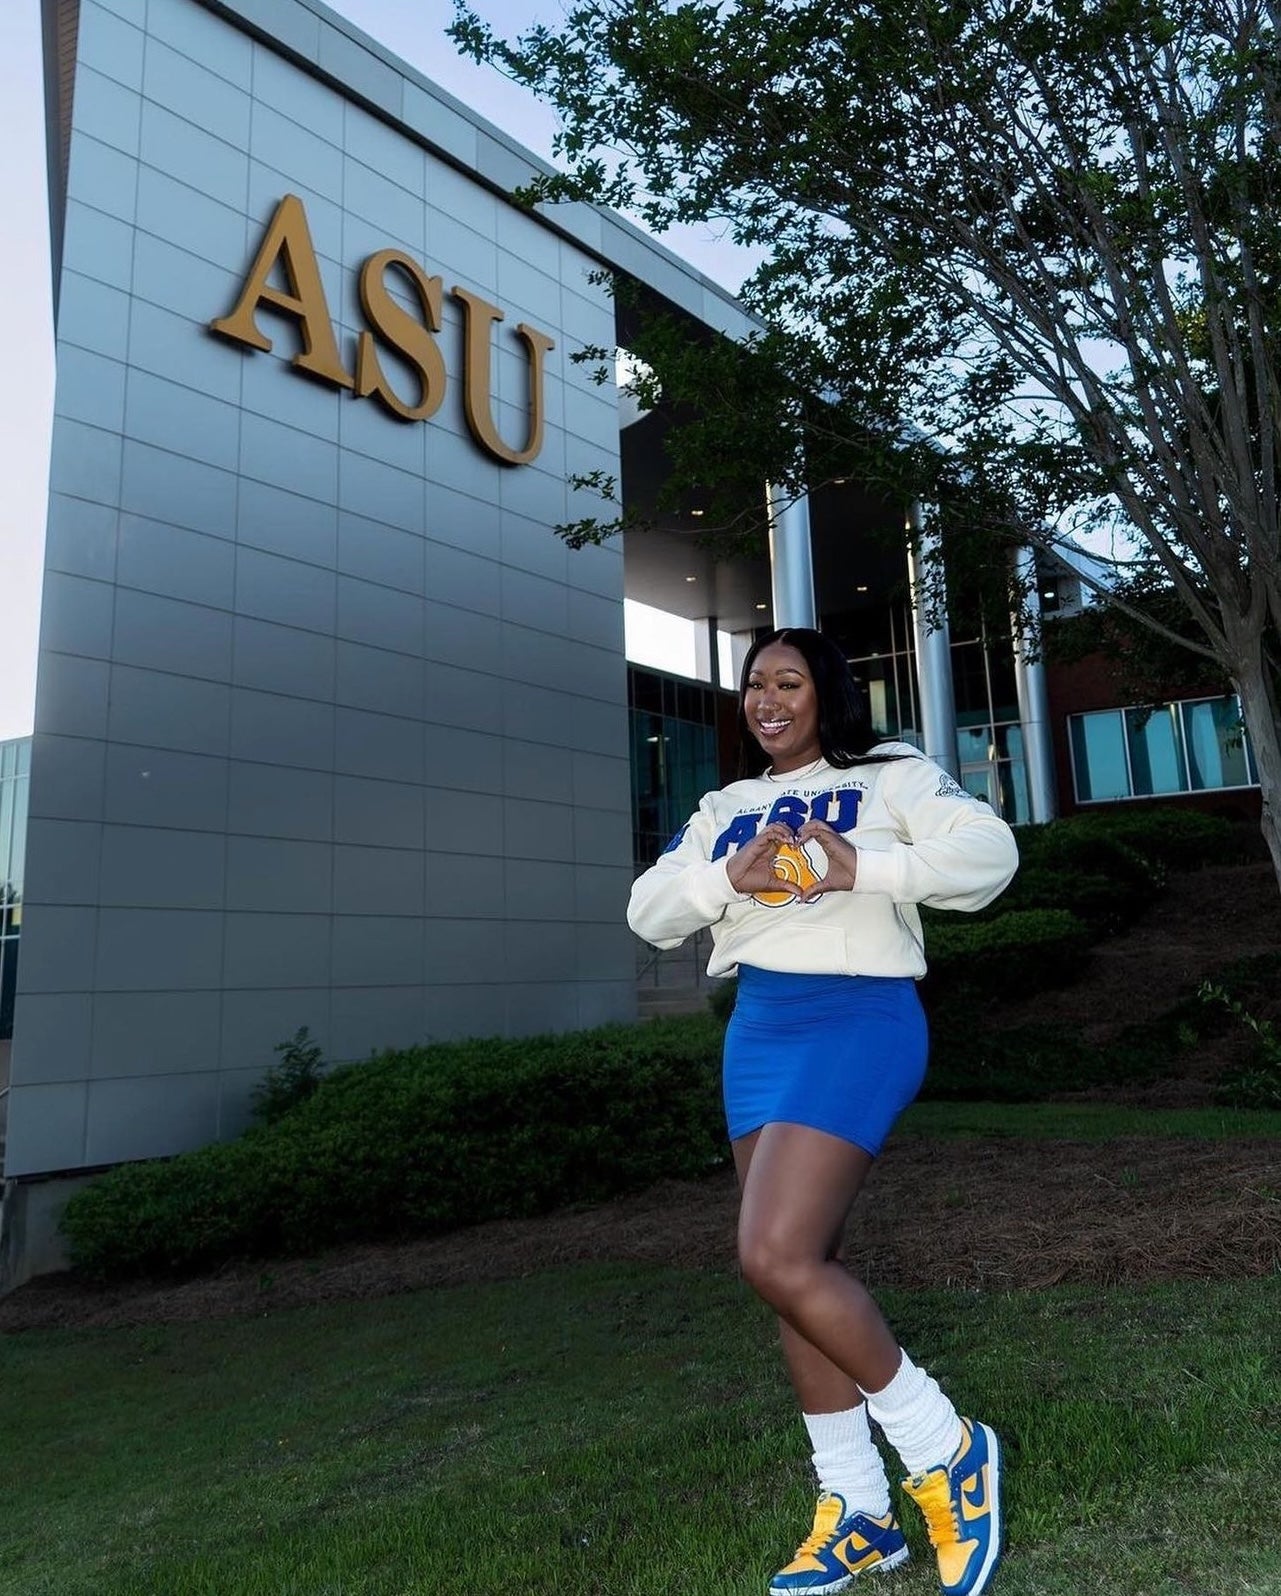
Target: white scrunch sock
x=919, y=1422
x=846, y=1460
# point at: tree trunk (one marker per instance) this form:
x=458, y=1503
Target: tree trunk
x=1259, y=711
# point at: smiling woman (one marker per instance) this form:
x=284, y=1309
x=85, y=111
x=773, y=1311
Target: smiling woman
x=780, y=705
x=809, y=872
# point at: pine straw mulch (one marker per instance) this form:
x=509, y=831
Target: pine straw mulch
x=990, y=1215
x=986, y=1215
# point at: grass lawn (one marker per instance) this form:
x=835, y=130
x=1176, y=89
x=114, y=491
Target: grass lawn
x=619, y=1430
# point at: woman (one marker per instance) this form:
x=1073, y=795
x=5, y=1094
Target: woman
x=809, y=875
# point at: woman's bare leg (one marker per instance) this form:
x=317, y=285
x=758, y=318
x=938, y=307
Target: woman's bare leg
x=820, y=1385
x=798, y=1187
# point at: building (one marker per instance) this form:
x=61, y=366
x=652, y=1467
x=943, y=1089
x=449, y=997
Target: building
x=331, y=729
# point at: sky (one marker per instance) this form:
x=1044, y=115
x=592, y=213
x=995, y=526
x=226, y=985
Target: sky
x=411, y=29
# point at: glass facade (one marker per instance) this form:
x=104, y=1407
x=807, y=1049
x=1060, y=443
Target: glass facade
x=989, y=735
x=993, y=765
x=675, y=757
x=1194, y=745
x=889, y=674
x=15, y=766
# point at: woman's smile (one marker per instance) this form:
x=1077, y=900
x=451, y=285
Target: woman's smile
x=781, y=706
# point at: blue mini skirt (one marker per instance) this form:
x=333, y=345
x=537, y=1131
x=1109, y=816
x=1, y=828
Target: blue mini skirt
x=844, y=1054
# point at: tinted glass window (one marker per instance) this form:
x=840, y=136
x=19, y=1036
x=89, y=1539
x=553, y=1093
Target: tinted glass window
x=1216, y=743
x=1156, y=750
x=1098, y=753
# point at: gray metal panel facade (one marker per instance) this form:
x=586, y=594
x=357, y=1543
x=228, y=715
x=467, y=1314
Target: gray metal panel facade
x=331, y=729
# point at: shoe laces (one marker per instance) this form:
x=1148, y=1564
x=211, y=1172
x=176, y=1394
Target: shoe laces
x=935, y=1501
x=827, y=1515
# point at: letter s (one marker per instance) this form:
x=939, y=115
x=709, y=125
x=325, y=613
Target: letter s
x=405, y=333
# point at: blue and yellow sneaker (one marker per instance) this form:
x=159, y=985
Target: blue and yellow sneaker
x=841, y=1546
x=961, y=1501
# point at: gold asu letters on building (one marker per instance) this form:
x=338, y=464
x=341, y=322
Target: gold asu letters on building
x=287, y=244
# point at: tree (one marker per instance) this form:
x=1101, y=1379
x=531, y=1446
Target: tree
x=1145, y=665
x=1043, y=234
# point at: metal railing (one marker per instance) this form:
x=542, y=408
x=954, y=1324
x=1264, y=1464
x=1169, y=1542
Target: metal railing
x=685, y=966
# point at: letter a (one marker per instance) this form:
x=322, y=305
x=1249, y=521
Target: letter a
x=478, y=318
x=288, y=241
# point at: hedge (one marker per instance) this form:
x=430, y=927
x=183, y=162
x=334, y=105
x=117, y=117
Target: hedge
x=1170, y=836
x=1075, y=847
x=1106, y=903
x=419, y=1142
x=1176, y=837
x=1031, y=1063
x=1026, y=950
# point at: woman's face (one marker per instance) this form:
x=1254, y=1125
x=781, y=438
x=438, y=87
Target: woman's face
x=781, y=706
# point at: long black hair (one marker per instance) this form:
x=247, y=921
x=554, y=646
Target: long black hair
x=844, y=717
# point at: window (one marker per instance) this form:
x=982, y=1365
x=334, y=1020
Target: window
x=1011, y=774
x=1098, y=756
x=1216, y=744
x=674, y=757
x=887, y=674
x=1155, y=743
x=1142, y=752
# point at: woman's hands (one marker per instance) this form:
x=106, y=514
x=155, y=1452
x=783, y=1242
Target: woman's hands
x=751, y=869
x=842, y=859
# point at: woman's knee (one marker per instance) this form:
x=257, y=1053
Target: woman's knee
x=778, y=1269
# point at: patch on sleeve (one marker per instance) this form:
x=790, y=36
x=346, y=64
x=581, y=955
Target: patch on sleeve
x=677, y=839
x=951, y=789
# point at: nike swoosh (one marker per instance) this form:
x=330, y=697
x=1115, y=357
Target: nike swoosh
x=855, y=1554
x=974, y=1495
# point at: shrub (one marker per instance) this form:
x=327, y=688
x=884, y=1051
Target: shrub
x=1065, y=865
x=422, y=1141
x=1105, y=903
x=1173, y=836
x=1031, y=1063
x=721, y=999
x=1024, y=1064
x=1086, y=848
x=1027, y=950
x=1242, y=991
x=291, y=1081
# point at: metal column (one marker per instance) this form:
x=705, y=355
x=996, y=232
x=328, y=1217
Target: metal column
x=933, y=642
x=707, y=653
x=790, y=559
x=1033, y=697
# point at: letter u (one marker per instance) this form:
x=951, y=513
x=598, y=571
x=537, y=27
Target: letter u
x=478, y=319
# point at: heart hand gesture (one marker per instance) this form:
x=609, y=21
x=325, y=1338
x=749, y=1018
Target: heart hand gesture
x=752, y=868
x=842, y=859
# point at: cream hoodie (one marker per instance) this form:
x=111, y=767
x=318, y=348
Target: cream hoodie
x=920, y=838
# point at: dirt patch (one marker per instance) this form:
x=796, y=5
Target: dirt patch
x=1202, y=922
x=989, y=1215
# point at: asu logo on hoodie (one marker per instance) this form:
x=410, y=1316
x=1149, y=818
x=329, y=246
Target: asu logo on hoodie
x=791, y=863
